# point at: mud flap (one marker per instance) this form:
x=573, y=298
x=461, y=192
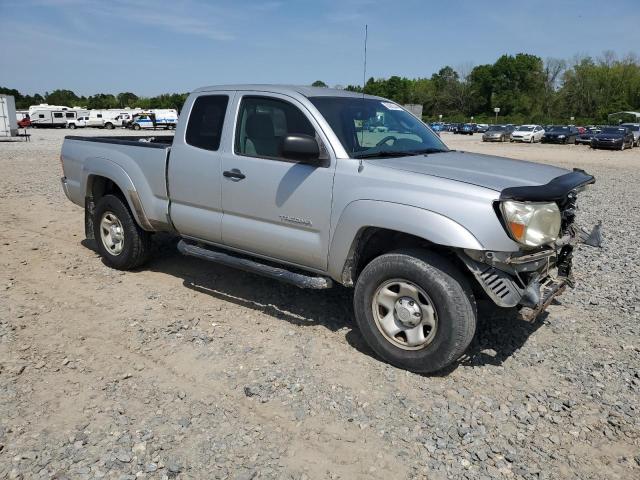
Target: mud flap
x=89, y=208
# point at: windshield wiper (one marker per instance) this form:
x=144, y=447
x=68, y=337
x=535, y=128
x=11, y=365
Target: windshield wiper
x=396, y=153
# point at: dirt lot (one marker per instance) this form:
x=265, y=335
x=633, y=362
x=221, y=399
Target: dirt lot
x=190, y=370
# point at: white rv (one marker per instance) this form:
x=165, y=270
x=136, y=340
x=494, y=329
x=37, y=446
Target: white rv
x=45, y=115
x=8, y=121
x=51, y=118
x=110, y=118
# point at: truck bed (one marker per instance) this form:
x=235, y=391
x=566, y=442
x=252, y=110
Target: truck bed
x=136, y=164
x=149, y=141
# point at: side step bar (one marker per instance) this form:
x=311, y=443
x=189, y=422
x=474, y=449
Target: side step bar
x=300, y=280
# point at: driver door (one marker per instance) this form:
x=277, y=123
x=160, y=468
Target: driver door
x=274, y=207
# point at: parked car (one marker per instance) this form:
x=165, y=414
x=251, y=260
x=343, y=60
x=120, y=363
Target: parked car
x=635, y=129
x=278, y=182
x=585, y=138
x=464, y=129
x=527, y=133
x=497, y=133
x=79, y=122
x=560, y=134
x=482, y=127
x=617, y=138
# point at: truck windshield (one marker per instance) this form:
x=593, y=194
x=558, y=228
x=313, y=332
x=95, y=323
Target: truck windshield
x=372, y=128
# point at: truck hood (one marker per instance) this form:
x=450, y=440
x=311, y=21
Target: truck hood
x=495, y=173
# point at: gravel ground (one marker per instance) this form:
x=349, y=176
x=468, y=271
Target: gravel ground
x=190, y=370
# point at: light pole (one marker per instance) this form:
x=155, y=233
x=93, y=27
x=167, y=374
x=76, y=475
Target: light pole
x=497, y=110
x=440, y=117
x=471, y=118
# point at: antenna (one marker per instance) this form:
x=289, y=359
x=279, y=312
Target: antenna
x=364, y=82
x=364, y=72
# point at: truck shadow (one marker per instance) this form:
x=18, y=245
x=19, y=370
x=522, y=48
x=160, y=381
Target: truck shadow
x=499, y=333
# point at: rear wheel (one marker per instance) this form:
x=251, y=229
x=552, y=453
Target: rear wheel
x=121, y=242
x=136, y=126
x=108, y=126
x=415, y=310
x=72, y=126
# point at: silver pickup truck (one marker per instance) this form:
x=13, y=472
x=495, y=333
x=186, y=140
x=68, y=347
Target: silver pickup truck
x=314, y=186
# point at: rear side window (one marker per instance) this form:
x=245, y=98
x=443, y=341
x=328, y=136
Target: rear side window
x=204, y=129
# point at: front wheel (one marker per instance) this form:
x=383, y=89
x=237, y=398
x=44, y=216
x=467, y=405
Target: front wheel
x=136, y=126
x=121, y=242
x=415, y=310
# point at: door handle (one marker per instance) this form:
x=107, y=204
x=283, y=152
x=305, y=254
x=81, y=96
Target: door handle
x=234, y=173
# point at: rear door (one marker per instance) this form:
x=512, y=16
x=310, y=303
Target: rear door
x=194, y=170
x=275, y=207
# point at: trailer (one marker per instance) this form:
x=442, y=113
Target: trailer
x=8, y=120
x=110, y=118
x=51, y=118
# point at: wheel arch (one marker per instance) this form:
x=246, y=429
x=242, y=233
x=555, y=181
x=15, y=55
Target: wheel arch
x=101, y=182
x=368, y=228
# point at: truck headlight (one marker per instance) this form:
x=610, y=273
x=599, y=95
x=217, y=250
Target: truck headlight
x=532, y=224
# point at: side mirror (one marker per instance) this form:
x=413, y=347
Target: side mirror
x=300, y=147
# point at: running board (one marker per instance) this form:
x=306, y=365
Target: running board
x=300, y=280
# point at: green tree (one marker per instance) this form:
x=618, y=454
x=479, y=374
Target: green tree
x=319, y=83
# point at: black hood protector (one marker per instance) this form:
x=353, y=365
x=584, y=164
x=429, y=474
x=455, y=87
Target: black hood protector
x=556, y=190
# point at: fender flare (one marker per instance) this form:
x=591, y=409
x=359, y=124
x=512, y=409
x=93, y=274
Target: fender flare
x=422, y=223
x=103, y=167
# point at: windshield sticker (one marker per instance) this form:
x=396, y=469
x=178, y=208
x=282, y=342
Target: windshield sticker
x=391, y=106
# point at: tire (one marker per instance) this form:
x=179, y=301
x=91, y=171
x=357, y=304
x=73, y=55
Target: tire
x=622, y=146
x=136, y=126
x=108, y=126
x=72, y=126
x=136, y=242
x=446, y=289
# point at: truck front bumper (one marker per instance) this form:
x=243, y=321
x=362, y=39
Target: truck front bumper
x=528, y=279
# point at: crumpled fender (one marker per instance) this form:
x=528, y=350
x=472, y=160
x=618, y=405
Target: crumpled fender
x=360, y=214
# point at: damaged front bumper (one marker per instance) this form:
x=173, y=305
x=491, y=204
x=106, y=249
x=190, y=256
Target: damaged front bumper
x=529, y=279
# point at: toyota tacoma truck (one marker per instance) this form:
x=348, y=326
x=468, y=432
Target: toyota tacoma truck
x=290, y=183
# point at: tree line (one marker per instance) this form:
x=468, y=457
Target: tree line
x=99, y=101
x=525, y=87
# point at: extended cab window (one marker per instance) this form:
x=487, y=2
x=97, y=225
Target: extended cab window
x=204, y=129
x=264, y=122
